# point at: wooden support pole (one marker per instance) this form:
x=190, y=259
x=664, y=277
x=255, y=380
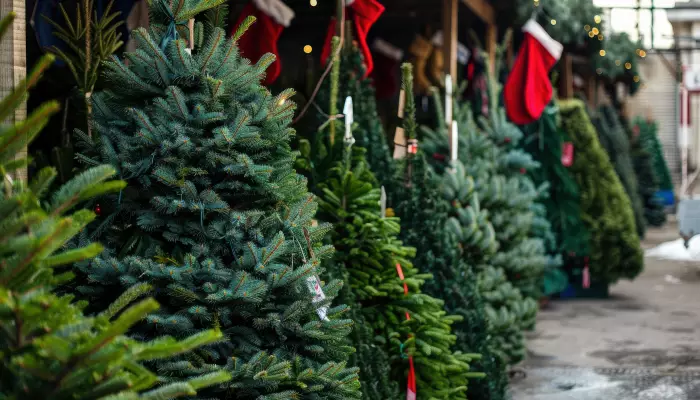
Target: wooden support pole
x=566, y=80
x=591, y=88
x=13, y=63
x=449, y=43
x=492, y=44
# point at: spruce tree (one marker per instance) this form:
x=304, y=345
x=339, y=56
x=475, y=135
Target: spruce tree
x=654, y=212
x=48, y=348
x=617, y=144
x=215, y=218
x=648, y=136
x=379, y=269
x=419, y=202
x=545, y=141
x=606, y=211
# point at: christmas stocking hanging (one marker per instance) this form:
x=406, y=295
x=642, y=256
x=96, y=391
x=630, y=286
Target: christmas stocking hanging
x=364, y=13
x=528, y=89
x=261, y=38
x=386, y=65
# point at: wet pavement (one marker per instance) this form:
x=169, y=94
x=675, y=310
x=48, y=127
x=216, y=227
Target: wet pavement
x=643, y=343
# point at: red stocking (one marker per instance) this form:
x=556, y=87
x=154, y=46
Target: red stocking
x=386, y=68
x=528, y=89
x=364, y=14
x=261, y=38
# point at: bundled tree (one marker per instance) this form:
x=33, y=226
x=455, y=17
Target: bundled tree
x=419, y=202
x=553, y=149
x=48, y=348
x=215, y=218
x=606, y=211
x=649, y=139
x=617, y=144
x=377, y=266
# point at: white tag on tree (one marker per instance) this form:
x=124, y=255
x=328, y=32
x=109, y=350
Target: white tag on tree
x=349, y=118
x=454, y=141
x=314, y=285
x=402, y=103
x=382, y=202
x=399, y=143
x=448, y=99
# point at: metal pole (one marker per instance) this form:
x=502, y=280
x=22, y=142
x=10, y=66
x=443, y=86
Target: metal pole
x=652, y=24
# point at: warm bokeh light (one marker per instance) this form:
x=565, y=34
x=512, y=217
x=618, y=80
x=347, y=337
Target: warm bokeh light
x=628, y=65
x=308, y=49
x=597, y=19
x=602, y=53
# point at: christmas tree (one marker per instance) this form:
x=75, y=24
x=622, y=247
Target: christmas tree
x=616, y=143
x=50, y=349
x=411, y=327
x=215, y=218
x=552, y=148
x=606, y=211
x=425, y=214
x=648, y=136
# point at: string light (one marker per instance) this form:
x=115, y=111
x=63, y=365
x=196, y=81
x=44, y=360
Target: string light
x=554, y=21
x=595, y=31
x=597, y=19
x=628, y=65
x=599, y=71
x=642, y=53
x=587, y=27
x=308, y=49
x=600, y=37
x=537, y=3
x=591, y=34
x=636, y=78
x=313, y=3
x=618, y=62
x=602, y=53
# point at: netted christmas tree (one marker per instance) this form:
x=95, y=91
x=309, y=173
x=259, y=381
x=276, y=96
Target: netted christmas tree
x=410, y=326
x=553, y=149
x=48, y=348
x=419, y=202
x=606, y=210
x=215, y=218
x=614, y=139
x=648, y=136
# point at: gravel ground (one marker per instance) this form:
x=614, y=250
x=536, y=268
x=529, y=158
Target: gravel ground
x=640, y=344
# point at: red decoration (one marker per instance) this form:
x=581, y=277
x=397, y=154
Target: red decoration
x=98, y=210
x=413, y=146
x=272, y=16
x=528, y=89
x=411, y=384
x=506, y=140
x=523, y=171
x=364, y=14
x=567, y=154
x=586, y=283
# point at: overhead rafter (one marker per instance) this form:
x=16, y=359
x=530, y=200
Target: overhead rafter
x=483, y=9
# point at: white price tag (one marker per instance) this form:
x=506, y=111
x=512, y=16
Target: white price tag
x=314, y=285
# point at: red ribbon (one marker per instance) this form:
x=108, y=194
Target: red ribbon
x=411, y=385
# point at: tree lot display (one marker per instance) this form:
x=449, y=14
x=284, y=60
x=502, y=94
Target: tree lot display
x=606, y=211
x=215, y=218
x=50, y=349
x=385, y=284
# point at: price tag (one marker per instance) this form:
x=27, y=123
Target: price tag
x=314, y=286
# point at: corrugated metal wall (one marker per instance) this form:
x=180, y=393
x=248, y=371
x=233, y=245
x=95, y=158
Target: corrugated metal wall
x=657, y=100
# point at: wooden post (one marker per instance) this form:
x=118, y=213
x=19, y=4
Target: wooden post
x=492, y=44
x=449, y=32
x=566, y=80
x=13, y=62
x=591, y=89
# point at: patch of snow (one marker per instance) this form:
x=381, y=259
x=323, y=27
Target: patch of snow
x=675, y=250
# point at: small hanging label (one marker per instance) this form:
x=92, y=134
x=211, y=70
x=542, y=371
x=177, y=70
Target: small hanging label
x=399, y=143
x=413, y=146
x=382, y=202
x=586, y=281
x=567, y=154
x=454, y=141
x=314, y=286
x=349, y=119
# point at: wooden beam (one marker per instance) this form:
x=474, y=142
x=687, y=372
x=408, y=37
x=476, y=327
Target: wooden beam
x=492, y=44
x=566, y=77
x=591, y=89
x=449, y=31
x=482, y=9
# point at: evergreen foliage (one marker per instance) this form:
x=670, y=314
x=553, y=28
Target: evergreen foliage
x=606, y=211
x=369, y=256
x=648, y=137
x=425, y=214
x=617, y=144
x=560, y=202
x=215, y=218
x=48, y=348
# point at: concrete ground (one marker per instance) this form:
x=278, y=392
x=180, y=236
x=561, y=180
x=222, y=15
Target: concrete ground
x=641, y=344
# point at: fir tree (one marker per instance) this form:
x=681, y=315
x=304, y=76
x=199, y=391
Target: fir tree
x=215, y=218
x=48, y=348
x=560, y=202
x=616, y=143
x=406, y=321
x=606, y=211
x=648, y=136
x=654, y=212
x=425, y=214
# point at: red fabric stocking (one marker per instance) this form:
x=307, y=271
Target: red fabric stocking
x=386, y=67
x=261, y=38
x=528, y=89
x=364, y=14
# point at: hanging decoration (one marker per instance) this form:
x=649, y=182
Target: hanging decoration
x=387, y=58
